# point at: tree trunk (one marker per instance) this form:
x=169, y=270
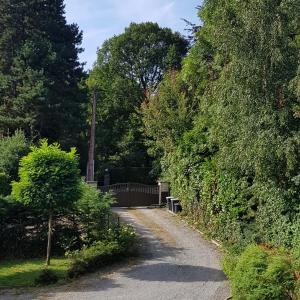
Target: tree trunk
x=49, y=237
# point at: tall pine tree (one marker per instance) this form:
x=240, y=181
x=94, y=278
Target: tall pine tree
x=39, y=71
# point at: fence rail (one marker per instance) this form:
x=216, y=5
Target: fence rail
x=131, y=187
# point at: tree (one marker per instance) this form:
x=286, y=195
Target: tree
x=40, y=73
x=237, y=169
x=49, y=181
x=128, y=68
x=143, y=53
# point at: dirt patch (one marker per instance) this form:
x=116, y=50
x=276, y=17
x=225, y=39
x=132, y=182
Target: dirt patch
x=155, y=228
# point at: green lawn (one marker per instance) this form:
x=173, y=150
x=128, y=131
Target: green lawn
x=16, y=273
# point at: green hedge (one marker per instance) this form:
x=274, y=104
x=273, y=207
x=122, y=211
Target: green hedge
x=262, y=273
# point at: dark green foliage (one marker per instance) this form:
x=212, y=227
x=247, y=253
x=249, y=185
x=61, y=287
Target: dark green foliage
x=46, y=277
x=12, y=149
x=226, y=131
x=23, y=231
x=260, y=274
x=5, y=188
x=92, y=258
x=40, y=73
x=93, y=212
x=119, y=245
x=128, y=68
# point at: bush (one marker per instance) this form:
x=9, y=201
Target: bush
x=12, y=149
x=261, y=274
x=5, y=188
x=46, y=277
x=91, y=258
x=118, y=245
x=92, y=211
x=125, y=236
x=296, y=256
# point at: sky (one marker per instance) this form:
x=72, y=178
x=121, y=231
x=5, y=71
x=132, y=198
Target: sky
x=101, y=19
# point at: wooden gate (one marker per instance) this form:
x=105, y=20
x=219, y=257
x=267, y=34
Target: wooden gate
x=133, y=194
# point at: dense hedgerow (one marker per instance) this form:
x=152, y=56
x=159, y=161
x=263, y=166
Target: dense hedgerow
x=260, y=273
x=233, y=157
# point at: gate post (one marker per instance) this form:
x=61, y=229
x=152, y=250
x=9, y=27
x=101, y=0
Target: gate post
x=164, y=191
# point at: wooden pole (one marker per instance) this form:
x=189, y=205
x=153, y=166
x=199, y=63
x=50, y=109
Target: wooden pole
x=90, y=176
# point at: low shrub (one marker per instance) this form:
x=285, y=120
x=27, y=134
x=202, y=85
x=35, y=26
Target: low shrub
x=296, y=256
x=46, y=277
x=118, y=245
x=262, y=273
x=90, y=258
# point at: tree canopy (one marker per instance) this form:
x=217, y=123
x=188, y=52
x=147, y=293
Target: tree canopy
x=49, y=181
x=40, y=73
x=128, y=68
x=234, y=162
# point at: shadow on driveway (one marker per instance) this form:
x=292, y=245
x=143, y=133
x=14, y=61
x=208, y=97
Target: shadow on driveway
x=174, y=272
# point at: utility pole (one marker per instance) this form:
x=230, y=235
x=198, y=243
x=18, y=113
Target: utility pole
x=90, y=174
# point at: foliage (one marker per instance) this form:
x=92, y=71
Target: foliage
x=12, y=149
x=49, y=181
x=129, y=67
x=40, y=75
x=92, y=210
x=22, y=273
x=5, y=188
x=102, y=253
x=46, y=277
x=233, y=159
x=23, y=231
x=262, y=273
x=143, y=53
x=49, y=178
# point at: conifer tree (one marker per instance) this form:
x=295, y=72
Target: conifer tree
x=39, y=71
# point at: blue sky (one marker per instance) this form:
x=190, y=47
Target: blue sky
x=101, y=19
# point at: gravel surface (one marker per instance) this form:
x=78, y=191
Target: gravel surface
x=176, y=263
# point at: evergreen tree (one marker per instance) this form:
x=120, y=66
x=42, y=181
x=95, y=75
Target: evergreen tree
x=39, y=71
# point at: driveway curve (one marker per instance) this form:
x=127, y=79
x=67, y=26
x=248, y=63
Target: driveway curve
x=175, y=263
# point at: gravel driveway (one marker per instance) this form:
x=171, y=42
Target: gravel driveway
x=176, y=263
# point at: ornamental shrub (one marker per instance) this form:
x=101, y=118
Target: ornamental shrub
x=262, y=273
x=49, y=181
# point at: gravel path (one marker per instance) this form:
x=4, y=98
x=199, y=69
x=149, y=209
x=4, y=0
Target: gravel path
x=176, y=263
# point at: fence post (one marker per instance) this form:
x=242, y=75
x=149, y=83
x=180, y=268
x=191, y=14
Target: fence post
x=163, y=191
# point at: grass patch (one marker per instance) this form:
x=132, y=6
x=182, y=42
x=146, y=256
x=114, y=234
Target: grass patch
x=22, y=273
